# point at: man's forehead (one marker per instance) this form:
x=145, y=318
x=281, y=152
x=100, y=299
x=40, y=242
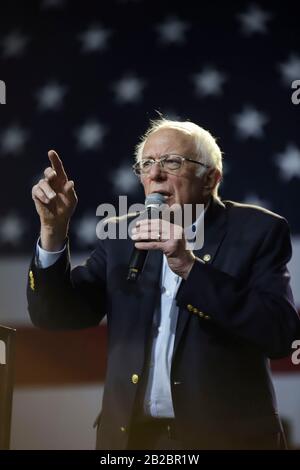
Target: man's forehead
x=170, y=139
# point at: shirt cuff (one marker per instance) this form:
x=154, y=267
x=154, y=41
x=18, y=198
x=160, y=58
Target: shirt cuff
x=44, y=258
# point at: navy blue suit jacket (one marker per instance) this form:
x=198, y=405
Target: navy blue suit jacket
x=235, y=312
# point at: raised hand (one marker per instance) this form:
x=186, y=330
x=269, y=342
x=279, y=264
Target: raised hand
x=55, y=201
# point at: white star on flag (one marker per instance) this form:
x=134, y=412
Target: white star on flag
x=254, y=20
x=90, y=135
x=50, y=96
x=95, y=39
x=128, y=89
x=255, y=200
x=290, y=70
x=85, y=229
x=249, y=123
x=124, y=180
x=172, y=30
x=289, y=162
x=209, y=82
x=14, y=44
x=12, y=229
x=13, y=140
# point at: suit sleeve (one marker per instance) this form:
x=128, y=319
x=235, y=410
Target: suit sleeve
x=59, y=298
x=262, y=311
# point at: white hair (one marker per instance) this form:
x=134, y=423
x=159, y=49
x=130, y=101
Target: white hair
x=206, y=147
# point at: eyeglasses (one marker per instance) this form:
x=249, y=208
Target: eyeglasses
x=170, y=163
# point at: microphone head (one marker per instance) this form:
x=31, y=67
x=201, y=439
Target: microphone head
x=154, y=200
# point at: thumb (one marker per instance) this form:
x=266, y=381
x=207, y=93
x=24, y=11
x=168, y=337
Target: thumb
x=70, y=191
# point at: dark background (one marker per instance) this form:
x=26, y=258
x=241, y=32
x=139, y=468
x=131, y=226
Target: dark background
x=214, y=38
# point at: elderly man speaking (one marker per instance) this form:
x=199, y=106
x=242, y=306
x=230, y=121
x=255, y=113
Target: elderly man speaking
x=189, y=342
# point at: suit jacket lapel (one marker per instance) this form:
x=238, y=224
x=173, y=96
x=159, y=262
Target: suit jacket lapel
x=214, y=233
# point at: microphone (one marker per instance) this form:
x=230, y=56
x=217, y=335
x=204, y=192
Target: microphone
x=138, y=257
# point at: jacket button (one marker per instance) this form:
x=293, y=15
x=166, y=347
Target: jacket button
x=206, y=317
x=189, y=307
x=31, y=280
x=123, y=428
x=195, y=310
x=134, y=378
x=206, y=258
x=201, y=314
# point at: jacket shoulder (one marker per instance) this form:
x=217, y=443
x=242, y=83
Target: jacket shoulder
x=251, y=213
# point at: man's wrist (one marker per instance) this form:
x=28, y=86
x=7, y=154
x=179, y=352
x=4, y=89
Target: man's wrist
x=51, y=240
x=182, y=267
x=45, y=259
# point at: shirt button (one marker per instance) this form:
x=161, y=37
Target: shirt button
x=168, y=293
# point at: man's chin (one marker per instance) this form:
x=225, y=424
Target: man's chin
x=170, y=200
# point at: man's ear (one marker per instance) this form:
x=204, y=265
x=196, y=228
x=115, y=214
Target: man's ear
x=212, y=178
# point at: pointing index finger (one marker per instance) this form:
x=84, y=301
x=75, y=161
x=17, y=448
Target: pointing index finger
x=57, y=165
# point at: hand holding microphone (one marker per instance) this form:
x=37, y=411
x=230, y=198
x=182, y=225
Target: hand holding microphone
x=154, y=233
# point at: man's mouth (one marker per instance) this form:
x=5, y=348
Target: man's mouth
x=163, y=192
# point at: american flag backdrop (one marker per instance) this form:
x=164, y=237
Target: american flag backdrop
x=85, y=78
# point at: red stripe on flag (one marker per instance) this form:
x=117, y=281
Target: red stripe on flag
x=284, y=365
x=48, y=358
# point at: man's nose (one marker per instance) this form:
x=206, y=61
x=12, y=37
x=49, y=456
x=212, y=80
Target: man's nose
x=156, y=171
